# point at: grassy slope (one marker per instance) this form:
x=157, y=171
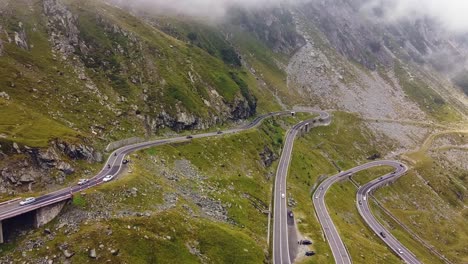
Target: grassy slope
x=209, y=38
x=61, y=96
x=427, y=99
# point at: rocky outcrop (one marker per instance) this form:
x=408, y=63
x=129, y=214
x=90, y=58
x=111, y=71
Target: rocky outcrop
x=240, y=108
x=62, y=24
x=26, y=168
x=78, y=151
x=268, y=156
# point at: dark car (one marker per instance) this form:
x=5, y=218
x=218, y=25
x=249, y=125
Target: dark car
x=189, y=137
x=310, y=253
x=306, y=242
x=383, y=234
x=125, y=161
x=219, y=132
x=291, y=214
x=360, y=202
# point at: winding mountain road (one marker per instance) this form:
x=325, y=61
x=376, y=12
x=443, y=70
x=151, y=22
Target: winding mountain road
x=113, y=166
x=337, y=246
x=281, y=255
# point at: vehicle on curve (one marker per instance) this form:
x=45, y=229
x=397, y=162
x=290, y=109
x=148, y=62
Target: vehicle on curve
x=360, y=202
x=306, y=242
x=383, y=234
x=125, y=161
x=189, y=137
x=82, y=181
x=108, y=178
x=219, y=132
x=364, y=198
x=28, y=200
x=310, y=253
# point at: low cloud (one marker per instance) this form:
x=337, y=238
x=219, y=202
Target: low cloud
x=451, y=14
x=211, y=9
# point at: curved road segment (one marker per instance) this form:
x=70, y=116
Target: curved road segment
x=112, y=167
x=366, y=213
x=337, y=246
x=280, y=224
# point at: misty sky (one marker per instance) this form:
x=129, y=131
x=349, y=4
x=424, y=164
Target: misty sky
x=452, y=13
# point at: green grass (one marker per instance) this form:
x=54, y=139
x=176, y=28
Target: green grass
x=427, y=99
x=22, y=125
x=158, y=239
x=79, y=200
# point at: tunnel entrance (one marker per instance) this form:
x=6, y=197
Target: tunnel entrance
x=15, y=226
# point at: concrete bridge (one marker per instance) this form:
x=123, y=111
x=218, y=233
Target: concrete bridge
x=34, y=216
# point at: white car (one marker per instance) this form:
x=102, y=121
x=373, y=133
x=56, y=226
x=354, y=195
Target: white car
x=400, y=251
x=28, y=201
x=282, y=195
x=108, y=178
x=82, y=181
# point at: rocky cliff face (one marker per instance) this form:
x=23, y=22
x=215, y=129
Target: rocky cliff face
x=356, y=61
x=25, y=168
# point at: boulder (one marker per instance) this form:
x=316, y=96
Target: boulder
x=68, y=254
x=26, y=178
x=92, y=253
x=65, y=167
x=3, y=94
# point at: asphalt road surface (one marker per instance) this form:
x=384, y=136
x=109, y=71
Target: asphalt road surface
x=280, y=222
x=113, y=166
x=337, y=246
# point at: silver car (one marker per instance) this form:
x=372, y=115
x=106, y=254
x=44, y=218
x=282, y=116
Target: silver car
x=108, y=178
x=82, y=181
x=28, y=201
